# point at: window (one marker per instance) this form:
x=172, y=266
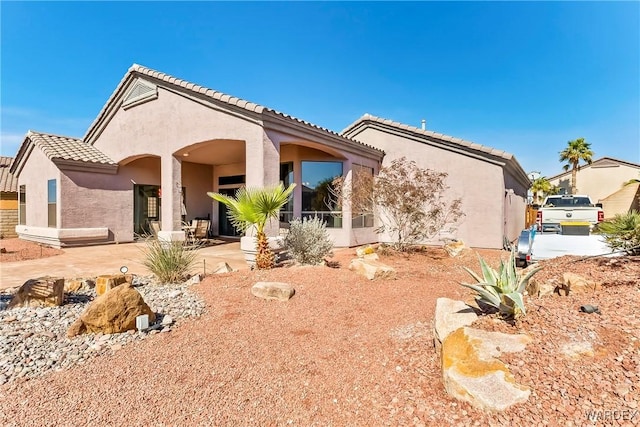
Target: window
x=317, y=200
x=286, y=178
x=361, y=201
x=231, y=180
x=51, y=203
x=22, y=208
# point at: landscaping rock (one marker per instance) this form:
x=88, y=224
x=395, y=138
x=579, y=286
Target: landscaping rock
x=450, y=316
x=575, y=284
x=41, y=292
x=221, y=268
x=472, y=373
x=195, y=279
x=455, y=248
x=73, y=285
x=108, y=282
x=112, y=312
x=273, y=290
x=365, y=250
x=372, y=269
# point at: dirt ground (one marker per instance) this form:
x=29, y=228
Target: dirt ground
x=348, y=351
x=22, y=250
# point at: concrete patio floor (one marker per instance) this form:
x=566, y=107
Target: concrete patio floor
x=93, y=261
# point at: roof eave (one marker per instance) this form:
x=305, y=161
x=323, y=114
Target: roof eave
x=82, y=166
x=274, y=120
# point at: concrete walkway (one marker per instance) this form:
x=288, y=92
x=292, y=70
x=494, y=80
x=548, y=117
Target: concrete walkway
x=93, y=261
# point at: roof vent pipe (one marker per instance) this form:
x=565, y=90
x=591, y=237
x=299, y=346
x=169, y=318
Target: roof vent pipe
x=424, y=124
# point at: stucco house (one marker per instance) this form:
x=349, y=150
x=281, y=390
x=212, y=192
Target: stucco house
x=600, y=180
x=8, y=199
x=160, y=144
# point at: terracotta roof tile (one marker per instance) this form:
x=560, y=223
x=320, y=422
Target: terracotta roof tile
x=65, y=148
x=8, y=181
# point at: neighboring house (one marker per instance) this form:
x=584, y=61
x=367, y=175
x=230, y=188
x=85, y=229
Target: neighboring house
x=600, y=179
x=622, y=201
x=161, y=143
x=8, y=199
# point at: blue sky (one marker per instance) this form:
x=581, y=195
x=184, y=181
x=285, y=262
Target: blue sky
x=522, y=77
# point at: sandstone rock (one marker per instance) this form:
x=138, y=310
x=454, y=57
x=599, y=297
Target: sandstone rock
x=451, y=315
x=575, y=284
x=112, y=312
x=221, y=268
x=41, y=292
x=577, y=349
x=541, y=289
x=73, y=285
x=374, y=256
x=108, y=282
x=273, y=290
x=455, y=248
x=472, y=373
x=372, y=269
x=365, y=250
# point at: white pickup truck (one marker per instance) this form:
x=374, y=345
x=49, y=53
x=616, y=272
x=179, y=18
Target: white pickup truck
x=567, y=208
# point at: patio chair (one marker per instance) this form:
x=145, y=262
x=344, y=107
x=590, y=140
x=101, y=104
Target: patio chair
x=155, y=227
x=201, y=232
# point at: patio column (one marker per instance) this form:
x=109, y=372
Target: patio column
x=346, y=202
x=262, y=167
x=171, y=171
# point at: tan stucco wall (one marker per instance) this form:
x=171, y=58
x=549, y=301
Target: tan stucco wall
x=197, y=180
x=99, y=200
x=35, y=174
x=480, y=184
x=598, y=182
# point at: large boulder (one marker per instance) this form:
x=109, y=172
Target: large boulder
x=472, y=372
x=112, y=312
x=450, y=316
x=372, y=269
x=41, y=292
x=273, y=290
x=108, y=282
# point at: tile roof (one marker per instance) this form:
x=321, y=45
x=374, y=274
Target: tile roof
x=65, y=148
x=8, y=181
x=430, y=134
x=209, y=93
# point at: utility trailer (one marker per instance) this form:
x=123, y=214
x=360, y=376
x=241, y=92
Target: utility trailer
x=572, y=239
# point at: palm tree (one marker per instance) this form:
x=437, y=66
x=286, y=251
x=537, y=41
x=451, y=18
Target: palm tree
x=576, y=150
x=256, y=206
x=540, y=186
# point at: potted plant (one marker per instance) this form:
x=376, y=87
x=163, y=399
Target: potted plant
x=254, y=207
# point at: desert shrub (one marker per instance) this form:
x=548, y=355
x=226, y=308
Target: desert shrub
x=308, y=241
x=411, y=203
x=622, y=233
x=169, y=261
x=502, y=288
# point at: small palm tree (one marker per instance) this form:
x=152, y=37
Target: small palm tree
x=256, y=206
x=576, y=151
x=540, y=187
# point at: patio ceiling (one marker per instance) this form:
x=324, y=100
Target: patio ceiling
x=214, y=152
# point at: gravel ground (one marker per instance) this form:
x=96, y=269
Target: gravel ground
x=345, y=351
x=21, y=250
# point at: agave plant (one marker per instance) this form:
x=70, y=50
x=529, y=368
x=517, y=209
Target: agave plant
x=254, y=207
x=502, y=288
